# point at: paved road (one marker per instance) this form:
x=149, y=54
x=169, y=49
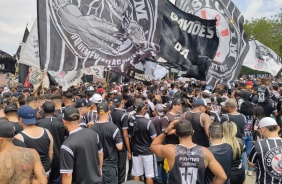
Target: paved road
x=251, y=179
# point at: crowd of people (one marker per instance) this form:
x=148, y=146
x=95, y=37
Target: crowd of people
x=167, y=132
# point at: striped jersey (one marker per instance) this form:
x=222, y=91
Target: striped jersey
x=267, y=156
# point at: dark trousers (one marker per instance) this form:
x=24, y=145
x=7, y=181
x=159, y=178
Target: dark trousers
x=122, y=156
x=55, y=176
x=238, y=178
x=110, y=174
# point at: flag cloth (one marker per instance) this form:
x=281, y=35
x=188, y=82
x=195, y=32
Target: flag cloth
x=30, y=51
x=262, y=58
x=146, y=71
x=188, y=43
x=84, y=33
x=36, y=76
x=25, y=36
x=96, y=71
x=67, y=79
x=233, y=43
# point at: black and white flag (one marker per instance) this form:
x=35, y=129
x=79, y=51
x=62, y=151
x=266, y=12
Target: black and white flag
x=233, y=43
x=82, y=33
x=188, y=43
x=262, y=58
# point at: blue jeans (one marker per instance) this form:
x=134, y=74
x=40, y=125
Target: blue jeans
x=248, y=141
x=162, y=175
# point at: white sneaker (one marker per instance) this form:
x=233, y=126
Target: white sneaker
x=250, y=173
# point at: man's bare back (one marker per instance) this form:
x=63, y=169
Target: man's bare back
x=21, y=165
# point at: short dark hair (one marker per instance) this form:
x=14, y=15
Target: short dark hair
x=31, y=99
x=272, y=128
x=216, y=130
x=22, y=100
x=67, y=94
x=48, y=107
x=183, y=128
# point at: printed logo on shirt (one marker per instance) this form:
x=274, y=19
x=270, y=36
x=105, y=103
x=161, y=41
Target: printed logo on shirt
x=273, y=162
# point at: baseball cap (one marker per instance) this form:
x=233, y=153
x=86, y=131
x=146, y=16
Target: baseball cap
x=96, y=98
x=160, y=109
x=250, y=83
x=267, y=121
x=208, y=100
x=90, y=88
x=117, y=99
x=114, y=92
x=7, y=129
x=81, y=102
x=10, y=107
x=27, y=114
x=200, y=101
x=103, y=108
x=176, y=101
x=100, y=90
x=207, y=91
x=76, y=93
x=229, y=103
x=139, y=106
x=71, y=113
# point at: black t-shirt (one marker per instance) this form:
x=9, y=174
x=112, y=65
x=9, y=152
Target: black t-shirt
x=120, y=119
x=58, y=113
x=239, y=119
x=142, y=139
x=268, y=107
x=17, y=126
x=19, y=143
x=266, y=155
x=58, y=131
x=223, y=154
x=246, y=95
x=79, y=156
x=158, y=124
x=110, y=136
x=166, y=120
x=237, y=165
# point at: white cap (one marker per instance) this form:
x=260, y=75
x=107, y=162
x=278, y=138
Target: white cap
x=207, y=91
x=267, y=121
x=96, y=98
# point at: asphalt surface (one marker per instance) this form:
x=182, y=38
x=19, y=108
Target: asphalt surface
x=251, y=179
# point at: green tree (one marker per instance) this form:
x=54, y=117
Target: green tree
x=268, y=31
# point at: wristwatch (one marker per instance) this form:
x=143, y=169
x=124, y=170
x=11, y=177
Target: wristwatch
x=164, y=132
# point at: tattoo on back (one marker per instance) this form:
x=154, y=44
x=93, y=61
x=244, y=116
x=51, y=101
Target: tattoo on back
x=16, y=166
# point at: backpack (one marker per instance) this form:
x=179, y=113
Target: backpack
x=132, y=125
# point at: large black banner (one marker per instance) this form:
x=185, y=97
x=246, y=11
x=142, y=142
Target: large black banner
x=233, y=43
x=81, y=33
x=188, y=43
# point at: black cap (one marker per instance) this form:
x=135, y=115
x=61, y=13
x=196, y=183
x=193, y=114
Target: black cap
x=117, y=99
x=81, y=102
x=103, y=108
x=76, y=93
x=176, y=101
x=71, y=113
x=7, y=129
x=10, y=107
x=139, y=106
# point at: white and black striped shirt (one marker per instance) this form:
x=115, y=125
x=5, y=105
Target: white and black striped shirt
x=267, y=156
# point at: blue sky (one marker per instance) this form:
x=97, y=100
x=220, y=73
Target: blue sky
x=17, y=13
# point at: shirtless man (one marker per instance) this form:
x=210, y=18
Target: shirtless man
x=18, y=165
